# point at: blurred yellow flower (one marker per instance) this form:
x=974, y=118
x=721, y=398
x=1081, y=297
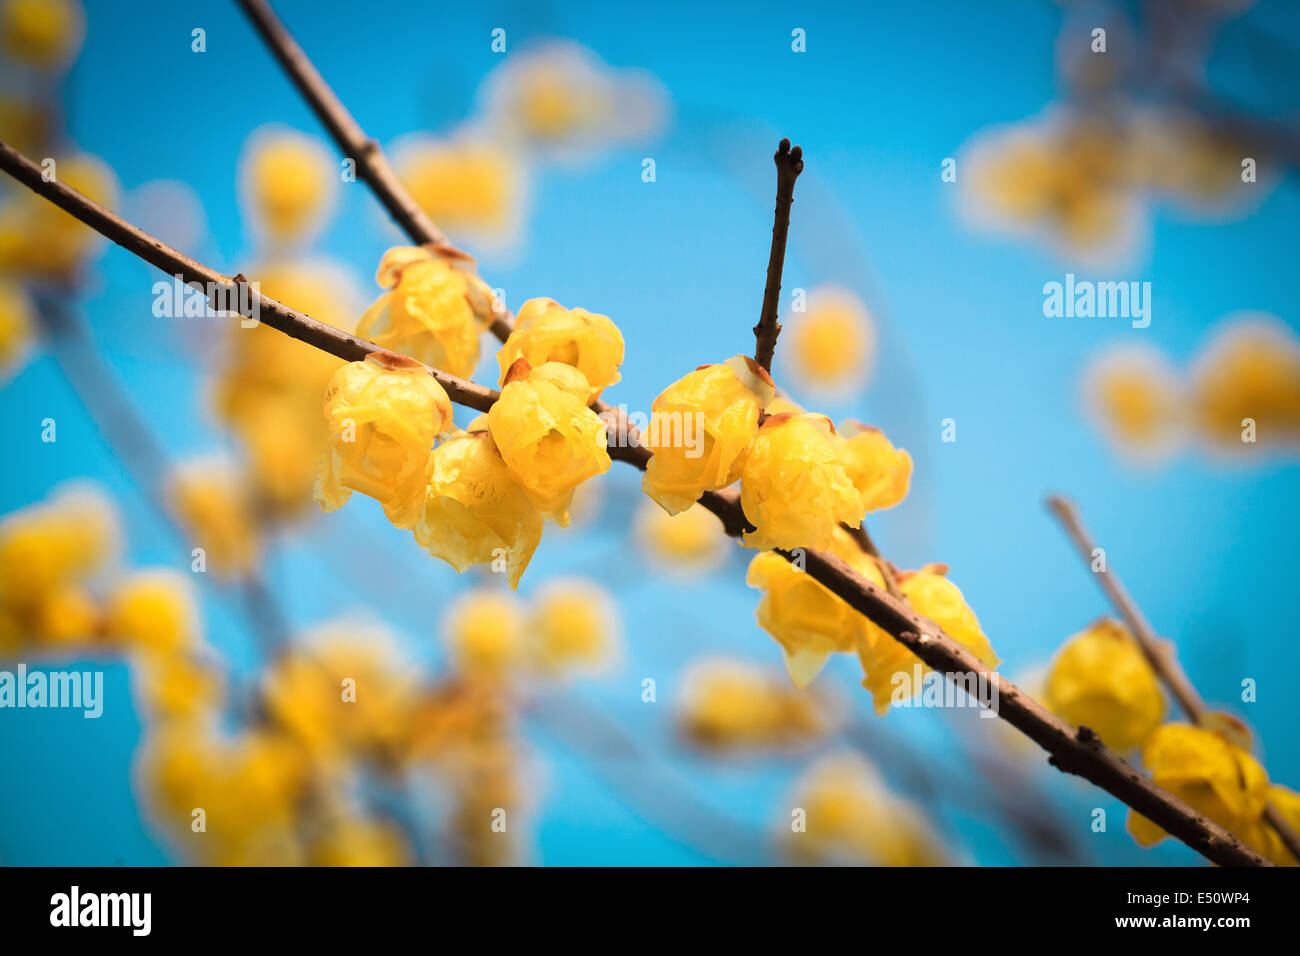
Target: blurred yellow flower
x=687, y=543
x=484, y=632
x=355, y=840
x=269, y=386
x=384, y=414
x=881, y=473
x=66, y=614
x=701, y=429
x=1137, y=401
x=50, y=543
x=1264, y=838
x=152, y=612
x=210, y=499
x=345, y=690
x=470, y=186
x=40, y=240
x=808, y=620
x=474, y=511
x=44, y=33
x=1249, y=373
x=548, y=437
x=573, y=627
x=831, y=345
x=794, y=488
x=546, y=331
x=731, y=704
x=849, y=817
x=1101, y=679
x=1206, y=772
x=17, y=327
x=288, y=181
x=178, y=687
x=435, y=309
x=22, y=125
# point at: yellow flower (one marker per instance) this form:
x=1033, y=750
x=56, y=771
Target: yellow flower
x=794, y=488
x=178, y=687
x=435, y=310
x=933, y=596
x=1207, y=773
x=1101, y=679
x=881, y=473
x=831, y=344
x=701, y=429
x=17, y=327
x=484, y=634
x=474, y=511
x=67, y=613
x=808, y=620
x=548, y=437
x=851, y=818
x=22, y=125
x=1287, y=803
x=546, y=331
x=384, y=414
x=573, y=627
x=733, y=704
x=44, y=33
x=154, y=612
x=39, y=239
x=288, y=181
x=466, y=185
x=269, y=386
x=1251, y=370
x=210, y=500
x=358, y=841
x=688, y=542
x=47, y=544
x=343, y=691
x=1137, y=401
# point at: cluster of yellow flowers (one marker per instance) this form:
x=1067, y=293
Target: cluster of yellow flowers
x=802, y=482
x=730, y=704
x=1242, y=393
x=479, y=496
x=1083, y=181
x=570, y=626
x=849, y=817
x=1218, y=777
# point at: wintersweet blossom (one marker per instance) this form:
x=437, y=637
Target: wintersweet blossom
x=548, y=437
x=573, y=627
x=881, y=473
x=484, y=632
x=435, y=309
x=384, y=414
x=794, y=487
x=288, y=183
x=474, y=512
x=154, y=612
x=731, y=704
x=546, y=331
x=809, y=621
x=1210, y=774
x=1101, y=679
x=724, y=402
x=17, y=327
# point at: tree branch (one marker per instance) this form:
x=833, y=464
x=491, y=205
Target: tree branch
x=1159, y=654
x=1080, y=753
x=789, y=164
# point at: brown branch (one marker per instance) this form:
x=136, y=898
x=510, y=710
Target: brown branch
x=372, y=165
x=789, y=164
x=1080, y=753
x=1159, y=654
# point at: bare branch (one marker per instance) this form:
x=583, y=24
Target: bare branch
x=789, y=164
x=1080, y=753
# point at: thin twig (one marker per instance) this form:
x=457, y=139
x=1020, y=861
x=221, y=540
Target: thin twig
x=1158, y=653
x=789, y=164
x=1080, y=752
